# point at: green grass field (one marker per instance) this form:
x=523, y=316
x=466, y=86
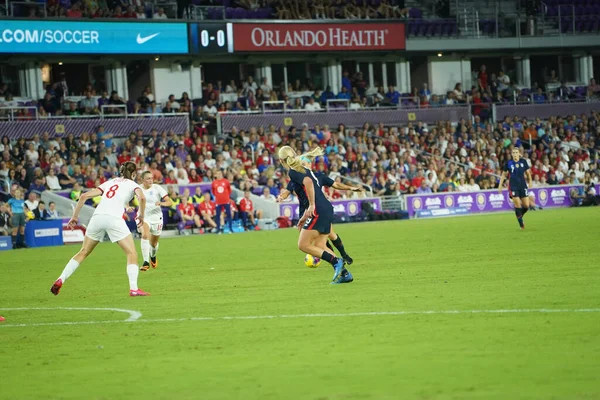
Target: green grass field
x=182, y=347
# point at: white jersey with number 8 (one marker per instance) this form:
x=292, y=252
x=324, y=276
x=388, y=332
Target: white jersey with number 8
x=116, y=195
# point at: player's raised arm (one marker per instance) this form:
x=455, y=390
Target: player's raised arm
x=82, y=199
x=343, y=186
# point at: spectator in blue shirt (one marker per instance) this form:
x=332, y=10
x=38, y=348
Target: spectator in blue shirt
x=17, y=207
x=346, y=82
x=425, y=91
x=392, y=95
x=539, y=97
x=327, y=95
x=344, y=94
x=104, y=136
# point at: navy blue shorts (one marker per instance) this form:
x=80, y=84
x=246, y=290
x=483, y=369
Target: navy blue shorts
x=520, y=193
x=320, y=223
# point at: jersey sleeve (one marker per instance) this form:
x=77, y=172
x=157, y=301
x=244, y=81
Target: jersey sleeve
x=162, y=193
x=505, y=168
x=324, y=180
x=104, y=187
x=526, y=165
x=297, y=177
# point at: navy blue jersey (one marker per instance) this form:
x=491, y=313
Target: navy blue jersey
x=516, y=171
x=292, y=186
x=322, y=205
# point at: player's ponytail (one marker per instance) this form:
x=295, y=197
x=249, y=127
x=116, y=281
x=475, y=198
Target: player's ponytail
x=128, y=170
x=314, y=153
x=295, y=163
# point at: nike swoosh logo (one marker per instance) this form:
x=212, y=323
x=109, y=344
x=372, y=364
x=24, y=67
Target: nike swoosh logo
x=142, y=40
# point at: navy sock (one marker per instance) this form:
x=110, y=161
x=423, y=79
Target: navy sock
x=14, y=240
x=329, y=246
x=524, y=210
x=518, y=213
x=328, y=257
x=340, y=246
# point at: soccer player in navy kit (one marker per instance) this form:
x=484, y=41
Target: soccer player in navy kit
x=318, y=216
x=324, y=180
x=518, y=171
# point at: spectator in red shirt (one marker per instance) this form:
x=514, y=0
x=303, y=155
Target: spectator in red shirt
x=194, y=177
x=187, y=215
x=207, y=211
x=222, y=192
x=74, y=11
x=247, y=212
x=482, y=78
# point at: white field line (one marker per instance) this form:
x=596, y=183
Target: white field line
x=135, y=315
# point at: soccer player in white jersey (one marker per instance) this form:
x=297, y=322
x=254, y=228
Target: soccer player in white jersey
x=156, y=197
x=108, y=219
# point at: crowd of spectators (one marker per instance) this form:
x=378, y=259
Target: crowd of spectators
x=269, y=9
x=388, y=160
x=392, y=160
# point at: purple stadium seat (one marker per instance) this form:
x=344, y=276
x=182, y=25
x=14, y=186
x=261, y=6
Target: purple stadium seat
x=415, y=13
x=229, y=13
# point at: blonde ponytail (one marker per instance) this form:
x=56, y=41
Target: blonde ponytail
x=295, y=163
x=290, y=160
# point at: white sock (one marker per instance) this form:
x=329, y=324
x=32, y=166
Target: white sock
x=153, y=250
x=146, y=250
x=133, y=272
x=72, y=265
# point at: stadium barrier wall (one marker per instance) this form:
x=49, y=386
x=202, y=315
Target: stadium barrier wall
x=352, y=119
x=349, y=207
x=65, y=206
x=119, y=127
x=544, y=111
x=485, y=201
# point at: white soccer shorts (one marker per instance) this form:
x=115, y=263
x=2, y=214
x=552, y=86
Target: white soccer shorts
x=115, y=227
x=155, y=226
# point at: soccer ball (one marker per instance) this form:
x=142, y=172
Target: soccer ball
x=311, y=261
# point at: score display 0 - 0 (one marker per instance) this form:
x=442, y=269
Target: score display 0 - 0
x=211, y=38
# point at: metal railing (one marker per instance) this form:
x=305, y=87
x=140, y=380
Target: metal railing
x=23, y=113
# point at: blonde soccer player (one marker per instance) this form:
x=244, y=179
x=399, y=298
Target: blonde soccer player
x=151, y=228
x=108, y=220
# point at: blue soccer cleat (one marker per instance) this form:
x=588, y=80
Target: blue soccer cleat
x=346, y=277
x=339, y=268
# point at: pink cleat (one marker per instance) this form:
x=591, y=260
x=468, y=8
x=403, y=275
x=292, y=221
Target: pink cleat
x=2, y=319
x=56, y=287
x=138, y=292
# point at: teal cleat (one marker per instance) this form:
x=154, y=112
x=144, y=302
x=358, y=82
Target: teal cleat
x=338, y=268
x=345, y=277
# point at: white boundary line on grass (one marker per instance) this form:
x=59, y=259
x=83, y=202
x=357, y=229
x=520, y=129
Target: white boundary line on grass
x=135, y=315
